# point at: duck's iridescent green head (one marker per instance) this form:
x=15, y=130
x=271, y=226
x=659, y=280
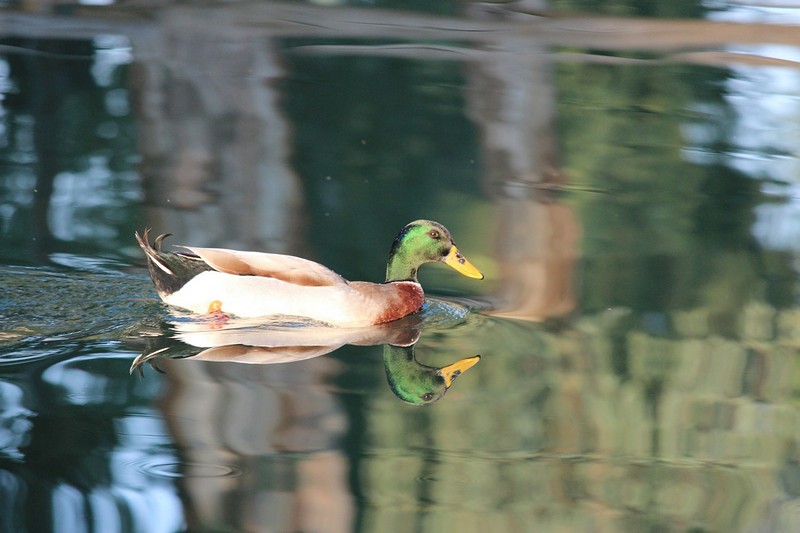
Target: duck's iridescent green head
x=416, y=383
x=425, y=241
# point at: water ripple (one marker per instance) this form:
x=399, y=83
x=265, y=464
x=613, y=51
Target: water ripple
x=40, y=306
x=175, y=469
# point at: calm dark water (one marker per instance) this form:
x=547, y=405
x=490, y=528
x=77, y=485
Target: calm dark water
x=632, y=200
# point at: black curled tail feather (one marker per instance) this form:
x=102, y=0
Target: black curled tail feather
x=152, y=252
x=168, y=270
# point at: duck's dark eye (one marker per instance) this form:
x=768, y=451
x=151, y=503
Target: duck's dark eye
x=434, y=234
x=428, y=396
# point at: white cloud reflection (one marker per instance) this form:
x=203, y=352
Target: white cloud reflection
x=766, y=131
x=111, y=52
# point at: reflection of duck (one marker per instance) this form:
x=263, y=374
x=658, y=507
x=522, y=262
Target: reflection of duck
x=245, y=341
x=253, y=284
x=235, y=342
x=416, y=383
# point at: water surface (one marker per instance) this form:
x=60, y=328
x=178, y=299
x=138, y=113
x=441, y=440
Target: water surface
x=627, y=183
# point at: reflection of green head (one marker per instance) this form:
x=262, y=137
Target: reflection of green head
x=416, y=383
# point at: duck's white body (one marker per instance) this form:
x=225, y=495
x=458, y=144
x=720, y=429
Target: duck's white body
x=349, y=304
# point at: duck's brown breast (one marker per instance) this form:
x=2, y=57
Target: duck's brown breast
x=393, y=300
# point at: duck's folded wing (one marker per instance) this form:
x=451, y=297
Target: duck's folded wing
x=283, y=267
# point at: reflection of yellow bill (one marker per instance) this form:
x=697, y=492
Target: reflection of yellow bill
x=460, y=263
x=451, y=372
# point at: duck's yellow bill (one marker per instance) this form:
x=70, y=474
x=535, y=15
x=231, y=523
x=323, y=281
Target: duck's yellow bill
x=460, y=263
x=451, y=372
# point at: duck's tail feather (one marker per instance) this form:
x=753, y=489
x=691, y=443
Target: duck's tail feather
x=170, y=271
x=152, y=251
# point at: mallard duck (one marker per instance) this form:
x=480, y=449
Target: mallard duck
x=419, y=384
x=255, y=284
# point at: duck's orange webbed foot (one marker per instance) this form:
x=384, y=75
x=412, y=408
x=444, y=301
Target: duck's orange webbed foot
x=217, y=314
